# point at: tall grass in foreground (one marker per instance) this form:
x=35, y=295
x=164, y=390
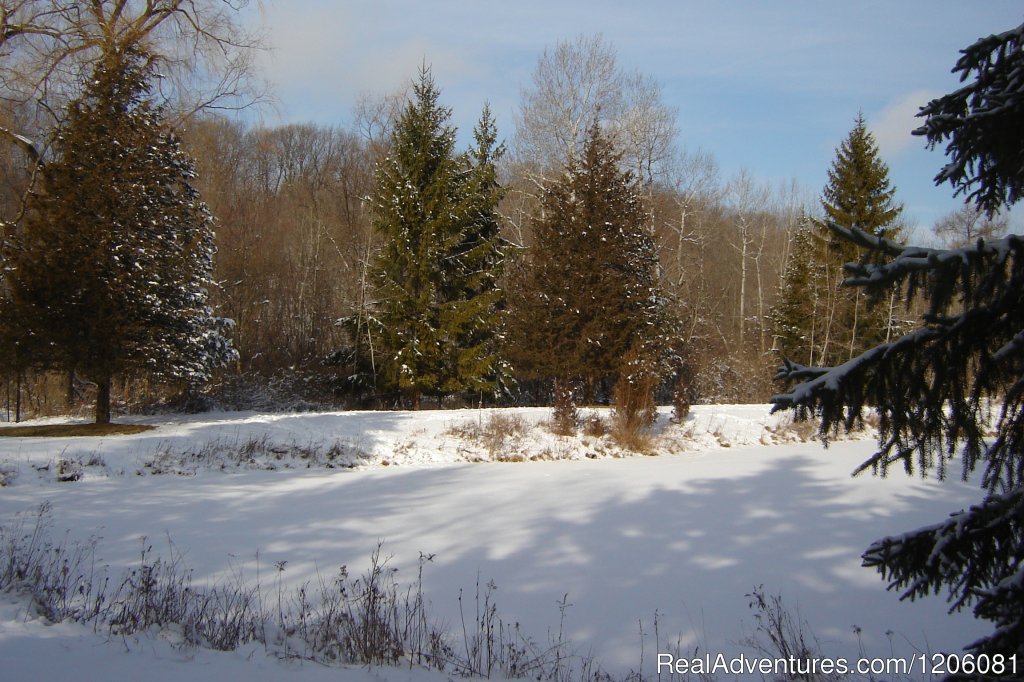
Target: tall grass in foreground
x=370, y=619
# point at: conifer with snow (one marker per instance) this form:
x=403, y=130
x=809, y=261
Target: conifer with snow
x=796, y=318
x=817, y=320
x=474, y=299
x=438, y=302
x=112, y=268
x=981, y=123
x=940, y=387
x=588, y=295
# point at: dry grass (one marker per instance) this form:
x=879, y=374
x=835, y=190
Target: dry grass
x=637, y=440
x=72, y=430
x=500, y=435
x=371, y=619
x=594, y=426
x=260, y=453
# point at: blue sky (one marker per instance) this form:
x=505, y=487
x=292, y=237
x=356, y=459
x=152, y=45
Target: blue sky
x=769, y=86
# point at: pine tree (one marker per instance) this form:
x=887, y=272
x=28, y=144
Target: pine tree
x=797, y=317
x=859, y=194
x=858, y=191
x=474, y=301
x=981, y=122
x=111, y=270
x=939, y=388
x=436, y=274
x=588, y=295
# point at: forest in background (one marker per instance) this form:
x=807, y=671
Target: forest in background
x=746, y=271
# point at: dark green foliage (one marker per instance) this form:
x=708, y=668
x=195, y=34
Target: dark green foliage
x=111, y=270
x=437, y=271
x=587, y=292
x=797, y=317
x=937, y=390
x=981, y=123
x=474, y=299
x=858, y=192
x=817, y=320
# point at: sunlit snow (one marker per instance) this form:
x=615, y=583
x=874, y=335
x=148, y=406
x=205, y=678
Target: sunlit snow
x=733, y=501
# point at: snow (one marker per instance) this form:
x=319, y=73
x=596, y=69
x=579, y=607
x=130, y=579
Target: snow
x=733, y=501
x=33, y=650
x=372, y=438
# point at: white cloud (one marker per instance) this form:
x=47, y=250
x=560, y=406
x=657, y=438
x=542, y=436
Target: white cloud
x=323, y=56
x=892, y=126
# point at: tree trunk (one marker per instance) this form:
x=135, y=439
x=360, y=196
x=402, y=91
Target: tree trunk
x=69, y=396
x=17, y=400
x=856, y=322
x=743, y=289
x=103, y=401
x=891, y=315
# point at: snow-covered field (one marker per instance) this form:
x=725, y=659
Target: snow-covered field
x=731, y=502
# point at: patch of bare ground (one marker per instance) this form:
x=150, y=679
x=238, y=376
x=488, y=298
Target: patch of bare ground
x=72, y=430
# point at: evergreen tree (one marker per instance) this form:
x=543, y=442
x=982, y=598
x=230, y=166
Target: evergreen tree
x=112, y=268
x=858, y=190
x=796, y=318
x=858, y=194
x=473, y=298
x=588, y=295
x=436, y=274
x=981, y=122
x=939, y=388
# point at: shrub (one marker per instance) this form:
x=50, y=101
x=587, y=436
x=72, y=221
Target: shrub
x=565, y=417
x=635, y=408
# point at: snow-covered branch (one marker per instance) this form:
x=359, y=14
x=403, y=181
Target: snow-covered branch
x=819, y=380
x=919, y=563
x=908, y=260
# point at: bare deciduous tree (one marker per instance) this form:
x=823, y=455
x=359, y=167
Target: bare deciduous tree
x=749, y=202
x=646, y=128
x=293, y=235
x=578, y=82
x=695, y=189
x=375, y=115
x=203, y=50
x=964, y=226
x=571, y=82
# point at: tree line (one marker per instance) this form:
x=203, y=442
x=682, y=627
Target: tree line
x=378, y=265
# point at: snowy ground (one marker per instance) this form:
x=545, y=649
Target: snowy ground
x=733, y=501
